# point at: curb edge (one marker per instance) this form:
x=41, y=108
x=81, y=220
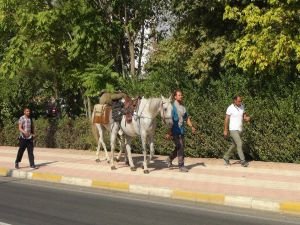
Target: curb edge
x=221, y=199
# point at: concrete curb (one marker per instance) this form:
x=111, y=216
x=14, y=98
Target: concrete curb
x=229, y=200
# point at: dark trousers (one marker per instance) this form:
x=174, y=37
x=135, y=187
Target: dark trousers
x=179, y=149
x=26, y=143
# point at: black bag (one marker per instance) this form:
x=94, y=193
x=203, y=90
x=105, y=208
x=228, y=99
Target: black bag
x=117, y=110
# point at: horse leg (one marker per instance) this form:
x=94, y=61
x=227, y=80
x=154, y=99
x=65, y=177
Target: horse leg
x=125, y=155
x=120, y=152
x=152, y=151
x=98, y=150
x=113, y=138
x=145, y=163
x=128, y=150
x=101, y=142
x=125, y=152
x=122, y=147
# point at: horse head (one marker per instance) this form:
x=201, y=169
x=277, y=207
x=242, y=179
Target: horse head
x=166, y=110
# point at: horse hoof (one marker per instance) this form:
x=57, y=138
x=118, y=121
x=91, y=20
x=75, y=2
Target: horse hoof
x=113, y=168
x=146, y=171
x=132, y=168
x=97, y=160
x=127, y=163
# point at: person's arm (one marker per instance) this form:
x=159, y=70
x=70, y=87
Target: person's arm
x=22, y=130
x=226, y=122
x=190, y=124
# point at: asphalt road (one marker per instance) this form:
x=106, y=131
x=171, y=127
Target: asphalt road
x=27, y=202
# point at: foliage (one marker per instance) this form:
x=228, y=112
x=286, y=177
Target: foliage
x=212, y=50
x=97, y=77
x=75, y=134
x=270, y=37
x=53, y=133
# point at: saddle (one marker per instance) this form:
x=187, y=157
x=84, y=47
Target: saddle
x=101, y=113
x=130, y=106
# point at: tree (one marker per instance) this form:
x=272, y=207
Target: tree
x=269, y=41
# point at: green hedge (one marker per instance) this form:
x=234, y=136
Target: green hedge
x=53, y=133
x=272, y=135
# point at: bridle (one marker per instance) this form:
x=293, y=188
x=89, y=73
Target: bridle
x=162, y=112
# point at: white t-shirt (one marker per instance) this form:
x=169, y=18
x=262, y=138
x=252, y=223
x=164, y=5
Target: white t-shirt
x=236, y=117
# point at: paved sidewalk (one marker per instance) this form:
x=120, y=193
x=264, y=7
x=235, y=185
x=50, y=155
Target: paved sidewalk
x=263, y=185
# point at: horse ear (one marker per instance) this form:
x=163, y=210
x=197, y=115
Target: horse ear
x=162, y=97
x=170, y=98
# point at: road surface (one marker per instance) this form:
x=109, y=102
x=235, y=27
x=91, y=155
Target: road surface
x=28, y=202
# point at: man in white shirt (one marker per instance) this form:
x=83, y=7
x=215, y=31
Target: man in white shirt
x=235, y=115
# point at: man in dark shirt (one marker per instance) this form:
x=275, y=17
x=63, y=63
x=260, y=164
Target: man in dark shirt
x=26, y=129
x=179, y=117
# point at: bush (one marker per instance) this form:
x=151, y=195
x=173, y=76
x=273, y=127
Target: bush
x=9, y=134
x=272, y=135
x=75, y=134
x=54, y=133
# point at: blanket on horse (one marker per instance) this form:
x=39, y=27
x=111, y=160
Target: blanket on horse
x=108, y=98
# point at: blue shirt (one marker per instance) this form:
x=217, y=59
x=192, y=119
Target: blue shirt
x=179, y=117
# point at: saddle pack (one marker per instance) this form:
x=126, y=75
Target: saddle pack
x=101, y=113
x=117, y=107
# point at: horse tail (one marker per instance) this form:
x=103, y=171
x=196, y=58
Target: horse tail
x=94, y=128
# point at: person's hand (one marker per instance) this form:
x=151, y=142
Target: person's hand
x=225, y=133
x=247, y=118
x=168, y=136
x=193, y=130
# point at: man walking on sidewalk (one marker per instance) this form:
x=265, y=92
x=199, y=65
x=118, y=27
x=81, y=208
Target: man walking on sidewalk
x=26, y=129
x=235, y=115
x=179, y=117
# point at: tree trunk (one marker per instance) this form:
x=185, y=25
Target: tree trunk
x=123, y=58
x=132, y=58
x=141, y=51
x=85, y=106
x=131, y=37
x=89, y=107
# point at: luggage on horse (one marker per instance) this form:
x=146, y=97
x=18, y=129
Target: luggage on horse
x=102, y=113
x=117, y=110
x=108, y=98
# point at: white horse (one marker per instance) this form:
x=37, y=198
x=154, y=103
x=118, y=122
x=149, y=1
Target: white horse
x=117, y=134
x=143, y=125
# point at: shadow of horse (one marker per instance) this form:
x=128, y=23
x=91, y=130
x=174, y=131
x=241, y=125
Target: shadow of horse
x=159, y=164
